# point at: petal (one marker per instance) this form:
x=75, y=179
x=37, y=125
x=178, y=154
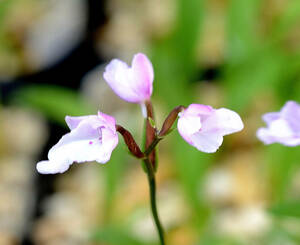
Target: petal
x=188, y=125
x=118, y=76
x=92, y=140
x=131, y=84
x=270, y=117
x=207, y=142
x=223, y=121
x=109, y=120
x=291, y=113
x=73, y=122
x=143, y=75
x=264, y=135
x=204, y=127
x=51, y=167
x=280, y=128
x=198, y=110
x=293, y=141
x=85, y=143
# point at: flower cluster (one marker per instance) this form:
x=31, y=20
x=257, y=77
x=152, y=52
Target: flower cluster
x=94, y=137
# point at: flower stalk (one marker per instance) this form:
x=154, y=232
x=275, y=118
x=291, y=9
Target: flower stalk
x=151, y=140
x=152, y=188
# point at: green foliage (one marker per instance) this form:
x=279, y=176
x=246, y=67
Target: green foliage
x=115, y=236
x=281, y=164
x=54, y=102
x=174, y=57
x=212, y=239
x=256, y=63
x=286, y=209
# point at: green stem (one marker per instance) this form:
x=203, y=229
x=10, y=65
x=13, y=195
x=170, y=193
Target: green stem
x=152, y=187
x=152, y=146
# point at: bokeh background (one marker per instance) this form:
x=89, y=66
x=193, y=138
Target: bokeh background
x=239, y=54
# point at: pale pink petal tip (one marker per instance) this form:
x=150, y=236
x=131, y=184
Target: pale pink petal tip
x=204, y=127
x=132, y=84
x=92, y=138
x=283, y=127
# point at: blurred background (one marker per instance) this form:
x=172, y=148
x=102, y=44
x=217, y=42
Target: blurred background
x=243, y=55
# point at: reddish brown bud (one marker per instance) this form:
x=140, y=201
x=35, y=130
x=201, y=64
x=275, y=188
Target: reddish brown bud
x=130, y=142
x=150, y=132
x=169, y=121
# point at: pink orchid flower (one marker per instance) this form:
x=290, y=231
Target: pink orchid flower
x=92, y=138
x=282, y=127
x=204, y=127
x=133, y=84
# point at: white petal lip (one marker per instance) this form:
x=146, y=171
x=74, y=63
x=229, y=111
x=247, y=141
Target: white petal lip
x=92, y=138
x=282, y=127
x=207, y=142
x=51, y=167
x=133, y=84
x=204, y=127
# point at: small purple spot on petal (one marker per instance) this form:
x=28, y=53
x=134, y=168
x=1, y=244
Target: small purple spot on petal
x=91, y=142
x=100, y=133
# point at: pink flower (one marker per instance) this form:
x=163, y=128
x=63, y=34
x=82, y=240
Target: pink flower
x=92, y=138
x=282, y=127
x=133, y=84
x=204, y=127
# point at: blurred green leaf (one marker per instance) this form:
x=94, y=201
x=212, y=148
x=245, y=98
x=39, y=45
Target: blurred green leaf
x=54, y=102
x=214, y=239
x=289, y=18
x=115, y=236
x=242, y=29
x=262, y=71
x=281, y=163
x=174, y=57
x=286, y=209
x=4, y=7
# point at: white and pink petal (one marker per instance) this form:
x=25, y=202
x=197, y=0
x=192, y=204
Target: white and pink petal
x=204, y=127
x=93, y=138
x=207, y=142
x=133, y=84
x=223, y=121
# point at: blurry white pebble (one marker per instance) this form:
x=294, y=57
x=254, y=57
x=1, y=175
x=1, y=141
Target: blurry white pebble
x=57, y=32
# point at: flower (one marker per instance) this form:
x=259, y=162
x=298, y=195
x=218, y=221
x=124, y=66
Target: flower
x=92, y=138
x=204, y=127
x=282, y=127
x=133, y=84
